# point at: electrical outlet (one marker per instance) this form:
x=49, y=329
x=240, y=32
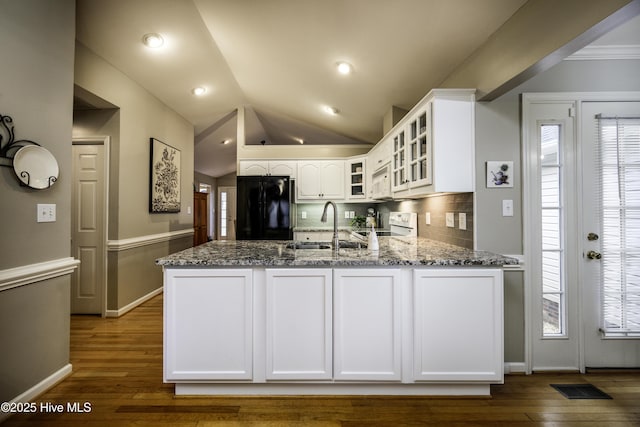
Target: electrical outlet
x=462, y=221
x=46, y=213
x=303, y=214
x=450, y=219
x=352, y=214
x=427, y=218
x=188, y=210
x=346, y=214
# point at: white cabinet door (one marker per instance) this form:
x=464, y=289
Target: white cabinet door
x=321, y=180
x=208, y=324
x=356, y=178
x=253, y=167
x=299, y=319
x=367, y=325
x=308, y=183
x=283, y=168
x=458, y=325
x=332, y=180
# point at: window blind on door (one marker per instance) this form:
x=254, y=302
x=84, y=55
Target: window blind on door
x=618, y=171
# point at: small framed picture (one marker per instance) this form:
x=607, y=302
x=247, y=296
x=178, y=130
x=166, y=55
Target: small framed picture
x=499, y=174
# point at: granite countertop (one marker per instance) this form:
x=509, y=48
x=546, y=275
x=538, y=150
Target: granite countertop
x=394, y=251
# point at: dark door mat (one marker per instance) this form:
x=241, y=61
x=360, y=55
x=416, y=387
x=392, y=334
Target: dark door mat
x=580, y=391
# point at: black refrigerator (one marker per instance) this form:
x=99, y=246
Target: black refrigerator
x=264, y=208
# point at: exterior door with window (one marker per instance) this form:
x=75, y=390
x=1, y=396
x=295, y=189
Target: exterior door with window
x=611, y=233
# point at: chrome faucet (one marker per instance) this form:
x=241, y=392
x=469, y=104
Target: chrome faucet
x=336, y=242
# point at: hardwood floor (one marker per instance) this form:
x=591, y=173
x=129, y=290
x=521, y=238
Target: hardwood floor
x=117, y=369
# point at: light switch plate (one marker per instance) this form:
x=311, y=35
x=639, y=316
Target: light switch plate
x=188, y=210
x=462, y=221
x=507, y=208
x=427, y=218
x=46, y=212
x=450, y=219
x=346, y=214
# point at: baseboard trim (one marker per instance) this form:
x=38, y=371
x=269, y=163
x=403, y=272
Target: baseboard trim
x=27, y=274
x=134, y=304
x=514, y=368
x=151, y=239
x=39, y=388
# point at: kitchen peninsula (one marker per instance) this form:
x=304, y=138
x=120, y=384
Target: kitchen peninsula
x=418, y=317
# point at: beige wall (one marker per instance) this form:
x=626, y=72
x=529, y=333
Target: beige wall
x=36, y=87
x=137, y=116
x=142, y=116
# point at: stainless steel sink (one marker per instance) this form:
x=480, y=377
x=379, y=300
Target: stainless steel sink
x=308, y=245
x=343, y=244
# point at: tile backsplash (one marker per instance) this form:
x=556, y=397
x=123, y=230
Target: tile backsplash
x=437, y=206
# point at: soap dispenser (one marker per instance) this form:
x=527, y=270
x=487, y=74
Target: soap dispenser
x=373, y=240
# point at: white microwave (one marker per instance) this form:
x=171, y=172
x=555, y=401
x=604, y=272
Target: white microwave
x=381, y=183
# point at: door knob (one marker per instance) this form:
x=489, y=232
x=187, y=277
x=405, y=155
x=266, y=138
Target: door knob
x=594, y=255
x=592, y=236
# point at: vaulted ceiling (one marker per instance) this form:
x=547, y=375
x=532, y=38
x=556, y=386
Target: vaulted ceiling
x=277, y=58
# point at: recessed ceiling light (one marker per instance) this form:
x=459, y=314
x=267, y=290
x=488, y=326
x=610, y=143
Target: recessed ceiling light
x=225, y=142
x=199, y=91
x=344, y=68
x=331, y=110
x=153, y=40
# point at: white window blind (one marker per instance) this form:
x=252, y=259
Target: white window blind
x=619, y=194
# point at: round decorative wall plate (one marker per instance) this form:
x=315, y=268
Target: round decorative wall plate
x=35, y=166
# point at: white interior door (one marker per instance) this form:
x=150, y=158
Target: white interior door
x=226, y=213
x=611, y=253
x=88, y=218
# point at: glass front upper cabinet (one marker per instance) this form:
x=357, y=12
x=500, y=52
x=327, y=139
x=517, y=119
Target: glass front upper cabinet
x=400, y=181
x=420, y=149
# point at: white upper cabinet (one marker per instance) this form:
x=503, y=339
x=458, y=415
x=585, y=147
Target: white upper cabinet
x=253, y=167
x=433, y=146
x=399, y=161
x=268, y=167
x=356, y=178
x=320, y=180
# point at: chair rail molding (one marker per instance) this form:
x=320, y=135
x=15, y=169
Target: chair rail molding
x=27, y=274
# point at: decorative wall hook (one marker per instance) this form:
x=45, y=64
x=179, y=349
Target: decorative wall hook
x=33, y=165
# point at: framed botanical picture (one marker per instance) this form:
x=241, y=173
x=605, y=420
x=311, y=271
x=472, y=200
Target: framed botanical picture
x=164, y=188
x=499, y=174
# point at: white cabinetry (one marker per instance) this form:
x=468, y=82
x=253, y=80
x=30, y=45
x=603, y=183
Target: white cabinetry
x=458, y=325
x=433, y=145
x=399, y=161
x=299, y=319
x=388, y=330
x=269, y=167
x=356, y=178
x=379, y=155
x=320, y=180
x=367, y=325
x=197, y=302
